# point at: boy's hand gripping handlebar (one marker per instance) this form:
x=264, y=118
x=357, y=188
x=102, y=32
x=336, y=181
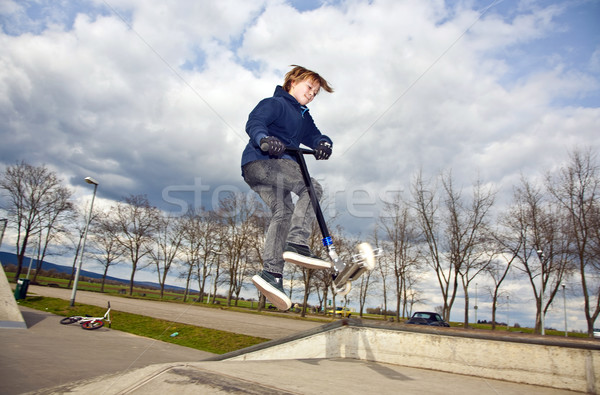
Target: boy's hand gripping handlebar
x=272, y=145
x=265, y=147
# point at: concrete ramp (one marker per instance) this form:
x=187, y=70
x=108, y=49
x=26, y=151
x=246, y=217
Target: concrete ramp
x=359, y=358
x=10, y=315
x=306, y=376
x=570, y=364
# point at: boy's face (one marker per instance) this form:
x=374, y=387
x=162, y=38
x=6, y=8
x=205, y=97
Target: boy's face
x=304, y=91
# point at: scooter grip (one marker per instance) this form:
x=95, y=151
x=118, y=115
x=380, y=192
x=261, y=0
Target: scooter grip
x=264, y=147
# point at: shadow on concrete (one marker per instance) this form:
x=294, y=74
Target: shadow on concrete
x=32, y=318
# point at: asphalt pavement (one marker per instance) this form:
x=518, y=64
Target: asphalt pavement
x=47, y=353
x=260, y=325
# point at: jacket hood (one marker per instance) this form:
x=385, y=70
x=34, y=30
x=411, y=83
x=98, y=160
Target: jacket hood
x=280, y=92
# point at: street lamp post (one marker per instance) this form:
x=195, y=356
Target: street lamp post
x=507, y=312
x=3, y=223
x=89, y=180
x=541, y=258
x=476, y=303
x=565, y=308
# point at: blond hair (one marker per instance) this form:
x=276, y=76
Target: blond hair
x=299, y=73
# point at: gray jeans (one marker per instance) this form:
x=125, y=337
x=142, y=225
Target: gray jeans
x=275, y=180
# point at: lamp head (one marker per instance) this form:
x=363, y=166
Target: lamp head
x=90, y=180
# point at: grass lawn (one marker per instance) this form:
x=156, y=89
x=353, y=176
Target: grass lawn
x=246, y=306
x=205, y=339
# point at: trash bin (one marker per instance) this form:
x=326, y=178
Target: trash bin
x=21, y=289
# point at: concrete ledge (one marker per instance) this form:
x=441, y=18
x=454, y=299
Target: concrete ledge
x=562, y=364
x=10, y=315
x=259, y=348
x=13, y=325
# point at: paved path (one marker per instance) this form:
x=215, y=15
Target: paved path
x=260, y=325
x=47, y=353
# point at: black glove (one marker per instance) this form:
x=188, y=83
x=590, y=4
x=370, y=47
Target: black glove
x=323, y=150
x=272, y=145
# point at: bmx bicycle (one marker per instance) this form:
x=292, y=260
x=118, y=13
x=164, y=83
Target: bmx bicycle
x=88, y=322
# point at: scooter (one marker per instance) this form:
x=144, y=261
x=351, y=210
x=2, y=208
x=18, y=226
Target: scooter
x=364, y=260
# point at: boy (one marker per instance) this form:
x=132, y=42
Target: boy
x=280, y=121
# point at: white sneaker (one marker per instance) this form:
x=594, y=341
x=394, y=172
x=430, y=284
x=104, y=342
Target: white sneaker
x=303, y=256
x=272, y=289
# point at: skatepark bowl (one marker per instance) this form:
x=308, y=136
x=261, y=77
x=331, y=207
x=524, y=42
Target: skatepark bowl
x=547, y=365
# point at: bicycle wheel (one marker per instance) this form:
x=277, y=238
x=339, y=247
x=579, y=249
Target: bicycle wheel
x=69, y=320
x=94, y=324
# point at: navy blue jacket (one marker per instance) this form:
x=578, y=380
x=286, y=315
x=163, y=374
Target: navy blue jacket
x=283, y=117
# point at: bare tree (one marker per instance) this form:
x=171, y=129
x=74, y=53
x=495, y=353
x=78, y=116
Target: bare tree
x=466, y=227
x=576, y=188
x=237, y=211
x=383, y=269
x=367, y=280
x=35, y=195
x=454, y=235
x=215, y=263
x=77, y=234
x=201, y=243
x=137, y=221
x=399, y=249
x=501, y=259
x=293, y=274
x=104, y=238
x=167, y=242
x=76, y=238
x=413, y=295
x=542, y=248
x=53, y=224
x=426, y=205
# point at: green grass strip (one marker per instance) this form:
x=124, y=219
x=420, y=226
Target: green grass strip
x=204, y=339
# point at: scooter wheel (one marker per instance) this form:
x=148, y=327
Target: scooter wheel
x=367, y=255
x=343, y=291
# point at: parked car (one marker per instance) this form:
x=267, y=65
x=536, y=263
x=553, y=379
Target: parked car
x=343, y=311
x=597, y=332
x=427, y=318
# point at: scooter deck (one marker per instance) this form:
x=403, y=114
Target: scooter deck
x=363, y=261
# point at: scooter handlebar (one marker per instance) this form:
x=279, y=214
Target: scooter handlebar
x=265, y=147
x=305, y=151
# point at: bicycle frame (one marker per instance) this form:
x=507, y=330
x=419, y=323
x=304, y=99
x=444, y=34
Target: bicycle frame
x=87, y=322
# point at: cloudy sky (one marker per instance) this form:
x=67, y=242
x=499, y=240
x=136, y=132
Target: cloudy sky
x=151, y=97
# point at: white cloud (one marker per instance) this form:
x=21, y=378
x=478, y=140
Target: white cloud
x=161, y=98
